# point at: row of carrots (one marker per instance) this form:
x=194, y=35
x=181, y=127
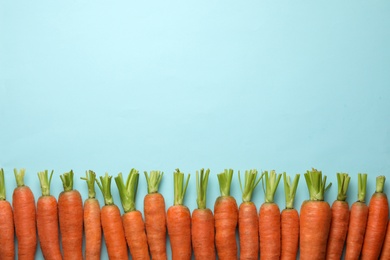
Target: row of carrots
x=320, y=231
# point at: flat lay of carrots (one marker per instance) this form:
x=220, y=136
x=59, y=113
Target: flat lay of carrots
x=68, y=228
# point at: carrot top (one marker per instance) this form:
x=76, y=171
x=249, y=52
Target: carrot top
x=362, y=185
x=45, y=181
x=290, y=189
x=90, y=178
x=67, y=180
x=316, y=184
x=225, y=180
x=19, y=176
x=153, y=180
x=380, y=184
x=2, y=185
x=271, y=184
x=128, y=191
x=179, y=188
x=342, y=184
x=105, y=187
x=201, y=187
x=250, y=184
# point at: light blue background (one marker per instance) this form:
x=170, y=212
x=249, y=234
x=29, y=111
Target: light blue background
x=112, y=85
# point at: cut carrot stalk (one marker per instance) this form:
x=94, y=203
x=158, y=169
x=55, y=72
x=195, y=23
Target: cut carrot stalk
x=179, y=220
x=315, y=218
x=202, y=228
x=226, y=218
x=7, y=234
x=269, y=219
x=132, y=218
x=47, y=219
x=92, y=226
x=289, y=220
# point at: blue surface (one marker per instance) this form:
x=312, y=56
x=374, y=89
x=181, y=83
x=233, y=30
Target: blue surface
x=109, y=86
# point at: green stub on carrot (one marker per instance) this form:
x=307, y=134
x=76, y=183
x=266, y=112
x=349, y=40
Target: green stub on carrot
x=105, y=187
x=19, y=177
x=179, y=187
x=290, y=189
x=225, y=180
x=362, y=187
x=380, y=184
x=153, y=180
x=271, y=184
x=67, y=180
x=342, y=184
x=128, y=191
x=90, y=178
x=202, y=179
x=250, y=184
x=316, y=184
x=45, y=181
x=2, y=185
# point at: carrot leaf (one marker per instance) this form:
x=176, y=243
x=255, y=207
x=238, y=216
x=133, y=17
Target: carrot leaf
x=201, y=187
x=179, y=188
x=19, y=176
x=105, y=187
x=250, y=184
x=380, y=184
x=290, y=189
x=153, y=180
x=128, y=191
x=225, y=180
x=362, y=187
x=90, y=178
x=45, y=181
x=342, y=184
x=67, y=180
x=316, y=184
x=2, y=185
x=271, y=184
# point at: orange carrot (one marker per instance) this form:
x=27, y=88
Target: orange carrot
x=202, y=229
x=339, y=220
x=179, y=220
x=226, y=218
x=132, y=218
x=23, y=203
x=47, y=219
x=155, y=217
x=92, y=226
x=70, y=212
x=248, y=220
x=289, y=221
x=378, y=215
x=7, y=234
x=385, y=254
x=269, y=219
x=357, y=222
x=111, y=221
x=315, y=217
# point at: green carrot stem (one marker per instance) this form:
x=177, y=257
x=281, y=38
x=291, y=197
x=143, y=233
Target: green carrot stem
x=153, y=180
x=250, y=184
x=201, y=187
x=128, y=191
x=362, y=187
x=90, y=178
x=380, y=184
x=342, y=184
x=290, y=189
x=19, y=176
x=316, y=185
x=225, y=180
x=45, y=181
x=179, y=188
x=271, y=184
x=105, y=187
x=2, y=185
x=67, y=180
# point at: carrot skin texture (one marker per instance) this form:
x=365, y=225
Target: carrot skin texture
x=248, y=226
x=7, y=234
x=378, y=215
x=226, y=219
x=289, y=228
x=135, y=235
x=314, y=216
x=269, y=231
x=338, y=230
x=385, y=254
x=155, y=225
x=70, y=211
x=47, y=225
x=114, y=233
x=203, y=232
x=357, y=228
x=23, y=203
x=179, y=231
x=92, y=229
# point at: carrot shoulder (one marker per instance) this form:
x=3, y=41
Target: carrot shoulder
x=132, y=218
x=179, y=220
x=23, y=203
x=7, y=245
x=155, y=216
x=202, y=229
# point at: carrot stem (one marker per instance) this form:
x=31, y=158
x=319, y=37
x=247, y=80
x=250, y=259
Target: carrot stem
x=153, y=180
x=250, y=184
x=225, y=180
x=105, y=186
x=271, y=184
x=290, y=189
x=128, y=191
x=19, y=176
x=45, y=181
x=362, y=187
x=316, y=184
x=201, y=187
x=380, y=184
x=2, y=185
x=342, y=184
x=179, y=189
x=67, y=180
x=90, y=178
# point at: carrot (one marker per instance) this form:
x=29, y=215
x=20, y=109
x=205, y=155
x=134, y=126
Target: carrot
x=269, y=219
x=357, y=222
x=339, y=220
x=315, y=217
x=7, y=234
x=70, y=212
x=179, y=220
x=226, y=218
x=202, y=230
x=155, y=217
x=47, y=219
x=132, y=218
x=378, y=215
x=385, y=254
x=111, y=221
x=23, y=203
x=91, y=218
x=289, y=220
x=248, y=220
